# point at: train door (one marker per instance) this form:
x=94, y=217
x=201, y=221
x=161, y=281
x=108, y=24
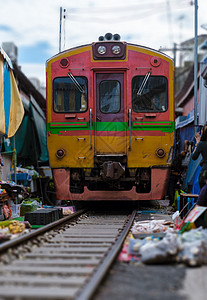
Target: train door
x=110, y=132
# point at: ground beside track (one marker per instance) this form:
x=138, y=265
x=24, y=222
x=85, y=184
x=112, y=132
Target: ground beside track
x=136, y=281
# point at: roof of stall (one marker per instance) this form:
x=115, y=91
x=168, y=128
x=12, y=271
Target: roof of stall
x=26, y=85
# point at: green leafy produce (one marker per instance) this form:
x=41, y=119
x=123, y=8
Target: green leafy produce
x=5, y=223
x=28, y=205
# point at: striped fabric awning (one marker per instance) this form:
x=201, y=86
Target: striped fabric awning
x=11, y=107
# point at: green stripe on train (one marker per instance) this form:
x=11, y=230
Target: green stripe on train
x=56, y=128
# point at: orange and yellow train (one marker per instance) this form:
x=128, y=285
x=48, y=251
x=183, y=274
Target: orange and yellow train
x=110, y=121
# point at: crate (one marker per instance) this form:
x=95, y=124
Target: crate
x=22, y=178
x=43, y=216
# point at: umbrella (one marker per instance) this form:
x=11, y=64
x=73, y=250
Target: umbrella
x=11, y=107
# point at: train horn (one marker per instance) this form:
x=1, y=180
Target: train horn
x=117, y=37
x=108, y=36
x=101, y=38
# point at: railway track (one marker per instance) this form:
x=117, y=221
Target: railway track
x=64, y=260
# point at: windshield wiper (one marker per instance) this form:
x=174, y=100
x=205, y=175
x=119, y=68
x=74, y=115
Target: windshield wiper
x=143, y=83
x=76, y=83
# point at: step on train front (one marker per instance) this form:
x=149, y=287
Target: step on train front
x=110, y=121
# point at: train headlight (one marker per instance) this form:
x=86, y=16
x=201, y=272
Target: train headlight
x=101, y=50
x=116, y=49
x=160, y=152
x=60, y=153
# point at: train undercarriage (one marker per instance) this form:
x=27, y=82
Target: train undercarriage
x=110, y=174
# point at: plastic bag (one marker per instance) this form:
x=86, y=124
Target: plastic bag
x=193, y=247
x=29, y=205
x=160, y=252
x=186, y=160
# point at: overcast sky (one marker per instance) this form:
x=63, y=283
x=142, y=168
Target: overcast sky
x=34, y=25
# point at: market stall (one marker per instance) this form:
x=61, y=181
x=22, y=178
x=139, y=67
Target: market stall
x=162, y=240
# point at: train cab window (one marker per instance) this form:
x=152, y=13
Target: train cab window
x=70, y=94
x=110, y=96
x=149, y=93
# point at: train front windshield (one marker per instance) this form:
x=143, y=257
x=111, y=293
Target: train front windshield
x=150, y=94
x=70, y=94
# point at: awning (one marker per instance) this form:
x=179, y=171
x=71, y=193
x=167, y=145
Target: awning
x=31, y=137
x=11, y=107
x=183, y=121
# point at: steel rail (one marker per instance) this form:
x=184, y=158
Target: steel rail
x=88, y=291
x=19, y=240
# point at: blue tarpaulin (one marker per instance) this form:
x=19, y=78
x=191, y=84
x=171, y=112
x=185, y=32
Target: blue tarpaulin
x=190, y=183
x=185, y=131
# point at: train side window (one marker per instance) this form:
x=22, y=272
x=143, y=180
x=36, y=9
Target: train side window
x=110, y=96
x=67, y=97
x=154, y=95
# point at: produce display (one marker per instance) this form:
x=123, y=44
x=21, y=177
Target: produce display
x=154, y=226
x=158, y=241
x=11, y=228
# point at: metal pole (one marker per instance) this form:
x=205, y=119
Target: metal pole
x=15, y=170
x=174, y=56
x=196, y=66
x=15, y=159
x=174, y=53
x=60, y=33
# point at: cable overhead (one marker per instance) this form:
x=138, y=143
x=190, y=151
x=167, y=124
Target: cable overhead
x=127, y=8
x=120, y=18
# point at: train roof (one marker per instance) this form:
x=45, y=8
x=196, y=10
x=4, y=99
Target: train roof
x=128, y=44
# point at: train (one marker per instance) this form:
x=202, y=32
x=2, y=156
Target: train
x=110, y=121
